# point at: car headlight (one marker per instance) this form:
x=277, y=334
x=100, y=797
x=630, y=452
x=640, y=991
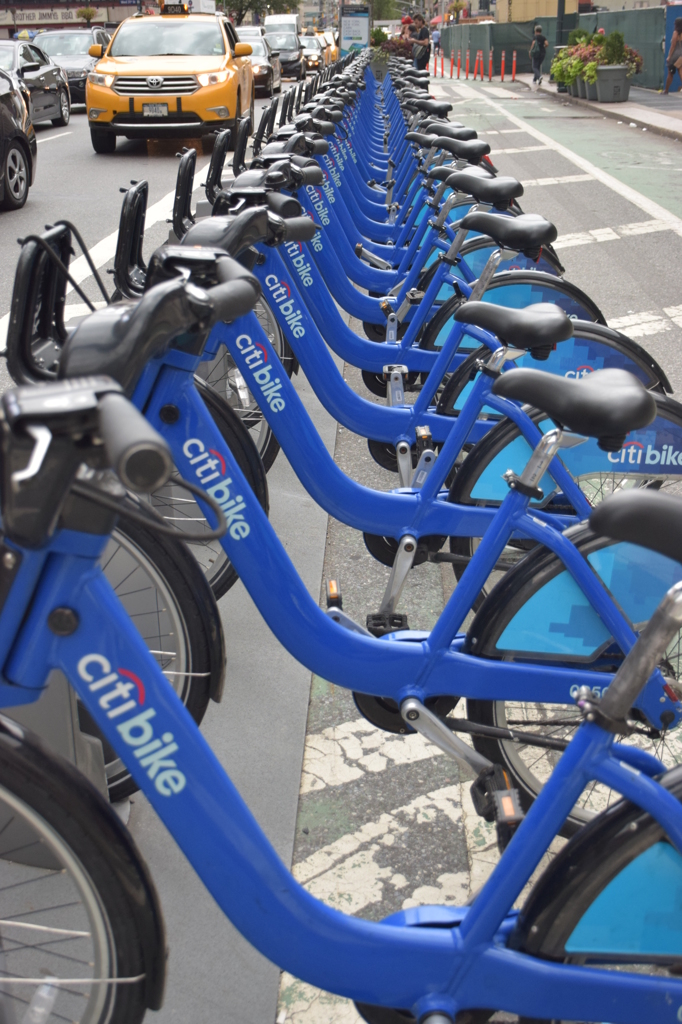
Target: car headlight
x=75, y=73
x=212, y=78
x=96, y=79
x=256, y=68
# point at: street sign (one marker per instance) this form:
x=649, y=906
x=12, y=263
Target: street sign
x=354, y=34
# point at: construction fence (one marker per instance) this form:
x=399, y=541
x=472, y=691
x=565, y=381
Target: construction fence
x=644, y=29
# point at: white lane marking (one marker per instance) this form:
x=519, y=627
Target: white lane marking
x=519, y=149
x=105, y=249
x=640, y=227
x=503, y=131
x=675, y=314
x=566, y=179
x=346, y=752
x=49, y=138
x=642, y=325
x=624, y=191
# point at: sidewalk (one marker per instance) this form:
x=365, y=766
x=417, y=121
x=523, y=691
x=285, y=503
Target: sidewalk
x=645, y=108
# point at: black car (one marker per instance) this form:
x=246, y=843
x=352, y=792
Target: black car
x=290, y=52
x=265, y=64
x=69, y=49
x=41, y=82
x=18, y=148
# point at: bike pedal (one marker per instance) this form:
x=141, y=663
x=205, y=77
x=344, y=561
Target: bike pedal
x=495, y=799
x=333, y=594
x=381, y=623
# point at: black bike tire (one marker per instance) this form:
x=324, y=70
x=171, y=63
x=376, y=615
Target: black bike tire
x=58, y=793
x=445, y=311
x=182, y=574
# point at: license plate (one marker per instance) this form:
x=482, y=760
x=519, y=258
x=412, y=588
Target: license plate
x=155, y=110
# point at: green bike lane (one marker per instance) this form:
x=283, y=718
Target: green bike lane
x=384, y=821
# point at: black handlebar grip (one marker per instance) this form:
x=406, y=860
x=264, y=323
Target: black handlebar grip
x=323, y=127
x=301, y=229
x=238, y=292
x=136, y=451
x=312, y=175
x=319, y=147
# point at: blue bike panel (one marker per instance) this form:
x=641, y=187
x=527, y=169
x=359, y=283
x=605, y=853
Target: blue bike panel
x=559, y=620
x=639, y=911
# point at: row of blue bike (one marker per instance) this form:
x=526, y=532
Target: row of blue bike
x=529, y=442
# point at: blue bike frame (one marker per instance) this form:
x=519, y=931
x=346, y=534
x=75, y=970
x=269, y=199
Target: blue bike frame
x=430, y=959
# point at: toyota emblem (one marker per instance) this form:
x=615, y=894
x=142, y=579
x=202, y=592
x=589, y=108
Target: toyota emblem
x=155, y=82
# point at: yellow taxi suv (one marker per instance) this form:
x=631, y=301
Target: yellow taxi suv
x=173, y=75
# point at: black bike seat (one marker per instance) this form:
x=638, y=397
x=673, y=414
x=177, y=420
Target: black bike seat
x=421, y=139
x=473, y=151
x=449, y=130
x=435, y=107
x=526, y=233
x=606, y=404
x=496, y=191
x=642, y=516
x=542, y=325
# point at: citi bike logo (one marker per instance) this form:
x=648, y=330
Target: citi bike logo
x=208, y=469
x=582, y=371
x=334, y=174
x=317, y=203
x=281, y=293
x=327, y=188
x=256, y=357
x=632, y=451
x=294, y=251
x=123, y=694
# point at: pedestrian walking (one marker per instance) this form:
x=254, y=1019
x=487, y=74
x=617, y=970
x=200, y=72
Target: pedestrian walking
x=537, y=53
x=421, y=47
x=674, y=61
x=435, y=40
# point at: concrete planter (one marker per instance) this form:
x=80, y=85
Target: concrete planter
x=591, y=88
x=613, y=85
x=582, y=91
x=573, y=88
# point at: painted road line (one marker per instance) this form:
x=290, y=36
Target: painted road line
x=624, y=191
x=519, y=149
x=49, y=138
x=641, y=227
x=566, y=179
x=503, y=131
x=105, y=249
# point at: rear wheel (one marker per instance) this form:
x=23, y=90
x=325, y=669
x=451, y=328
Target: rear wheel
x=64, y=110
x=102, y=141
x=16, y=178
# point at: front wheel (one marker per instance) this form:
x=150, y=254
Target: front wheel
x=102, y=141
x=78, y=903
x=64, y=110
x=16, y=178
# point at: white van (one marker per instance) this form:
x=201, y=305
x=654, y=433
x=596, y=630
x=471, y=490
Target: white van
x=283, y=23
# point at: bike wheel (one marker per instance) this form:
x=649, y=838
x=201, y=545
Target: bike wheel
x=79, y=908
x=479, y=479
x=224, y=377
x=167, y=596
x=539, y=597
x=182, y=511
x=622, y=852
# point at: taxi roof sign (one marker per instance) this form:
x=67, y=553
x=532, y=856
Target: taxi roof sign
x=174, y=8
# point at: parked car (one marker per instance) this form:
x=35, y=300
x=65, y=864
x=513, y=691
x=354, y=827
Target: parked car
x=313, y=53
x=18, y=149
x=173, y=75
x=69, y=49
x=246, y=32
x=43, y=83
x=288, y=45
x=267, y=71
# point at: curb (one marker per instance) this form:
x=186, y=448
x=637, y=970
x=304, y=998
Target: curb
x=671, y=133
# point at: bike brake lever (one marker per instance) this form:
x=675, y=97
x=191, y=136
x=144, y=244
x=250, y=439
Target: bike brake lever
x=43, y=438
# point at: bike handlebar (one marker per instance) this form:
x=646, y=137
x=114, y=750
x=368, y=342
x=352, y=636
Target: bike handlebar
x=135, y=450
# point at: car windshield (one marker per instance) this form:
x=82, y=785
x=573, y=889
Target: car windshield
x=330, y=38
x=6, y=57
x=65, y=44
x=156, y=39
x=258, y=47
x=310, y=43
x=282, y=41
